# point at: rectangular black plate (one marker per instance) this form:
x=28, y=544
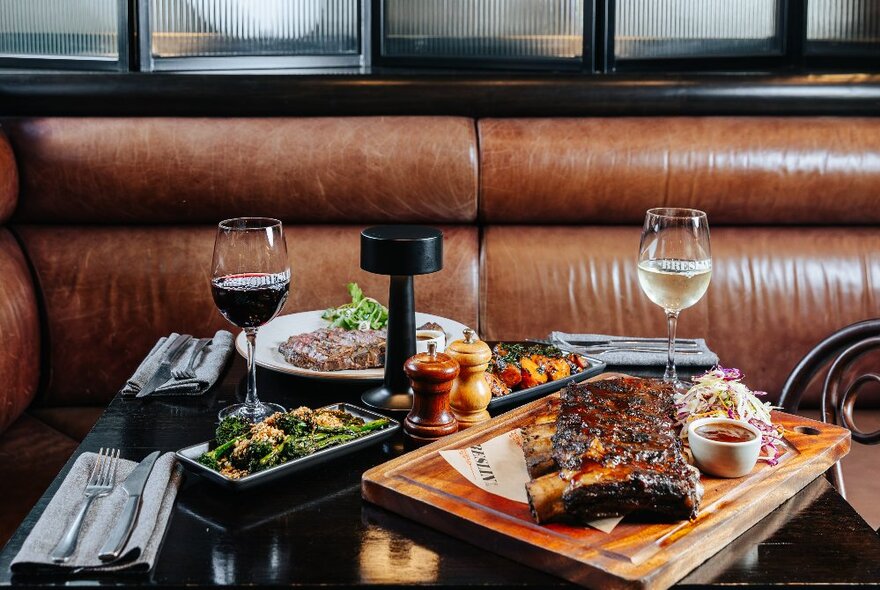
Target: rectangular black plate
x=188, y=456
x=519, y=397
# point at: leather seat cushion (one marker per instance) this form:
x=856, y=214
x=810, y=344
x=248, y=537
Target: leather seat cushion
x=75, y=422
x=31, y=455
x=303, y=170
x=775, y=293
x=740, y=170
x=110, y=293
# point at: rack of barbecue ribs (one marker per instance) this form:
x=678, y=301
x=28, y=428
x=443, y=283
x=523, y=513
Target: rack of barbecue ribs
x=609, y=448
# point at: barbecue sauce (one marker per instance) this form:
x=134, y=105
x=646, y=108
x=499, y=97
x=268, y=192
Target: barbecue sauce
x=725, y=432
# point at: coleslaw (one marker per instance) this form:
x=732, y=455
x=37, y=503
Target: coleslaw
x=720, y=393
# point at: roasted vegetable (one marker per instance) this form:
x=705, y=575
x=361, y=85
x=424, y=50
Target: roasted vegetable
x=523, y=365
x=510, y=375
x=496, y=384
x=211, y=459
x=282, y=437
x=231, y=427
x=532, y=373
x=555, y=369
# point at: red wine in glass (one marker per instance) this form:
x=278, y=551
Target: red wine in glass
x=250, y=280
x=249, y=300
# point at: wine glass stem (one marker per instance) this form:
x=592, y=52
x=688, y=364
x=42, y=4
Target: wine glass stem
x=670, y=374
x=251, y=400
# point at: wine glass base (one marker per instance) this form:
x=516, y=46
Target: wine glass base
x=255, y=413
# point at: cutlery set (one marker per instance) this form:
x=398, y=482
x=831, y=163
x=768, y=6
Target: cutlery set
x=101, y=482
x=165, y=372
x=598, y=348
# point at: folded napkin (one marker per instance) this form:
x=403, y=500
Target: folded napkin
x=208, y=367
x=641, y=359
x=142, y=548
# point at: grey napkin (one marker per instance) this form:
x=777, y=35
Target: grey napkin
x=208, y=367
x=642, y=359
x=143, y=546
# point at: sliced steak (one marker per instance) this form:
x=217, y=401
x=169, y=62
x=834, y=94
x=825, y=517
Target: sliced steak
x=335, y=349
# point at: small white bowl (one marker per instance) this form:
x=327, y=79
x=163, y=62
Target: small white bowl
x=423, y=337
x=724, y=459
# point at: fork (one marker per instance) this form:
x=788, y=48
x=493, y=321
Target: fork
x=189, y=372
x=632, y=345
x=600, y=349
x=606, y=349
x=100, y=483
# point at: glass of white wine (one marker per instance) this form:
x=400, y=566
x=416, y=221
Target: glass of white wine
x=675, y=266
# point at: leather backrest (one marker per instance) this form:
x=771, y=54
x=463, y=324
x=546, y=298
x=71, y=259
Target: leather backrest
x=110, y=289
x=741, y=171
x=8, y=179
x=775, y=292
x=20, y=330
x=19, y=319
x=305, y=170
x=111, y=292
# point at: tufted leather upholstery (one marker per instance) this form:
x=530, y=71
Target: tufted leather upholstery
x=19, y=321
x=741, y=171
x=355, y=170
x=20, y=329
x=775, y=292
x=8, y=179
x=110, y=293
x=539, y=173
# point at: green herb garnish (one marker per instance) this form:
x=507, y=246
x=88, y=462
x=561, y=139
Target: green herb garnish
x=363, y=313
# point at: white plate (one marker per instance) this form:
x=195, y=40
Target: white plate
x=273, y=334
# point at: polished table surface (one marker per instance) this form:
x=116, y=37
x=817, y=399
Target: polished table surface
x=314, y=530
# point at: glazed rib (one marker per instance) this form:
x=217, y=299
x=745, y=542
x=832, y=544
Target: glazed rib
x=538, y=449
x=538, y=443
x=614, y=451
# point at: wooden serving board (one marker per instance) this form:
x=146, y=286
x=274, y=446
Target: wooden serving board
x=423, y=486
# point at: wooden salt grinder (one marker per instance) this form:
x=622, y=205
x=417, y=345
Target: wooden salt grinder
x=432, y=376
x=470, y=393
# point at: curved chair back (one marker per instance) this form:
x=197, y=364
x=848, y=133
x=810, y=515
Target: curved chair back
x=841, y=350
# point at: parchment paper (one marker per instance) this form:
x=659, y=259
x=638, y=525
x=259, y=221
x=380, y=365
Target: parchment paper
x=499, y=467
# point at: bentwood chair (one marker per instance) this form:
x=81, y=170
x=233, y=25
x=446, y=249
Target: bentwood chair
x=840, y=350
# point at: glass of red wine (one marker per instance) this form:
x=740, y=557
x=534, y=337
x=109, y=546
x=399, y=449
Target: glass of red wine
x=250, y=282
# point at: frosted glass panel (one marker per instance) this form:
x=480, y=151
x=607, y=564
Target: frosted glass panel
x=648, y=29
x=225, y=28
x=844, y=21
x=524, y=29
x=59, y=29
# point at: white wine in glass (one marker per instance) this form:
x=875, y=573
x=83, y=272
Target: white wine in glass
x=675, y=266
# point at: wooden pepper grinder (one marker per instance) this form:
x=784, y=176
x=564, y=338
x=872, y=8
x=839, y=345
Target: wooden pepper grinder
x=470, y=393
x=432, y=375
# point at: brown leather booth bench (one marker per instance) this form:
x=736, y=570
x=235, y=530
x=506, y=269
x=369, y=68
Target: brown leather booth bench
x=109, y=227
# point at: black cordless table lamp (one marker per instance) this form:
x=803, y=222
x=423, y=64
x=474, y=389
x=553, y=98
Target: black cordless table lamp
x=400, y=251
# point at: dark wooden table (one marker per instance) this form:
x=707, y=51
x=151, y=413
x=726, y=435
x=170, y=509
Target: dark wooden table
x=314, y=530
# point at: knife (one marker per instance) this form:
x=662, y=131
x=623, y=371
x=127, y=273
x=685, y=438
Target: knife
x=163, y=373
x=134, y=486
x=616, y=346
